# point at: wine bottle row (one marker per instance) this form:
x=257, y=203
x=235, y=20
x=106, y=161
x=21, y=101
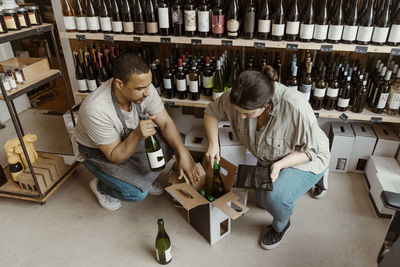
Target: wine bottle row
x=11, y=79
x=318, y=21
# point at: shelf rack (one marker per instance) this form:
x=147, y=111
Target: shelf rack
x=10, y=189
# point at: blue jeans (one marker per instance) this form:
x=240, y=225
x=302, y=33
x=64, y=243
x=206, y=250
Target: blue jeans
x=290, y=185
x=114, y=187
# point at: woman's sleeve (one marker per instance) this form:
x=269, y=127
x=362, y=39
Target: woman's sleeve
x=220, y=107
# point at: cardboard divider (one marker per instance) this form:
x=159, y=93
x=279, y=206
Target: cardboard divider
x=182, y=192
x=222, y=204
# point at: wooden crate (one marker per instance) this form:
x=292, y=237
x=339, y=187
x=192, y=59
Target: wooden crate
x=31, y=66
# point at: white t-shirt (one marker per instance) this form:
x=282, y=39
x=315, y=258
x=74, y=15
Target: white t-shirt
x=98, y=122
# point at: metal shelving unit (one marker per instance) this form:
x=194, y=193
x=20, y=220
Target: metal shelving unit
x=10, y=189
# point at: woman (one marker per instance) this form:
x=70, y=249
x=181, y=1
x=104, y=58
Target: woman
x=279, y=128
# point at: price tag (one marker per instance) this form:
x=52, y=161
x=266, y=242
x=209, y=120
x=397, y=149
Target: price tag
x=395, y=52
x=170, y=103
x=259, y=45
x=291, y=47
x=40, y=29
x=226, y=43
x=327, y=48
x=81, y=37
x=376, y=119
x=108, y=38
x=343, y=117
x=165, y=40
x=136, y=40
x=196, y=41
x=361, y=49
x=316, y=115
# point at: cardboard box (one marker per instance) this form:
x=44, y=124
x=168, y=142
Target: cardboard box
x=174, y=177
x=387, y=143
x=341, y=139
x=211, y=219
x=50, y=167
x=48, y=158
x=44, y=173
x=196, y=139
x=25, y=181
x=31, y=66
x=363, y=147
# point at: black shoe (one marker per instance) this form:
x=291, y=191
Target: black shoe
x=272, y=238
x=321, y=188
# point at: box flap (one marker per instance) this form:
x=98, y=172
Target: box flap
x=342, y=129
x=362, y=129
x=228, y=173
x=186, y=195
x=385, y=132
x=222, y=204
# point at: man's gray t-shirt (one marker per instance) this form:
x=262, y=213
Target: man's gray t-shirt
x=98, y=122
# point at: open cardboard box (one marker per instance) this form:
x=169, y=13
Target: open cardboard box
x=32, y=67
x=211, y=219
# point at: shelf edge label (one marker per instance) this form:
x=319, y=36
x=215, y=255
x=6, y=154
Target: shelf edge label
x=165, y=40
x=259, y=45
x=292, y=47
x=137, y=40
x=376, y=119
x=226, y=43
x=343, y=117
x=196, y=41
x=395, y=52
x=327, y=48
x=361, y=49
x=81, y=37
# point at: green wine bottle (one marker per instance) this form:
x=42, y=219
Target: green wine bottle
x=217, y=187
x=163, y=244
x=154, y=152
x=218, y=89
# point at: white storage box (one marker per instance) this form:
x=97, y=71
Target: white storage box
x=387, y=143
x=341, y=139
x=363, y=147
x=196, y=139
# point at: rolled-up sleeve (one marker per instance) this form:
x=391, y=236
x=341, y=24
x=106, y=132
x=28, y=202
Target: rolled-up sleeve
x=219, y=107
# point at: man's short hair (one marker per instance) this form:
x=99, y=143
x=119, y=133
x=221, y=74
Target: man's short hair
x=128, y=64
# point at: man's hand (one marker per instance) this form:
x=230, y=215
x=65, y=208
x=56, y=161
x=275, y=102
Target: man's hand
x=275, y=169
x=146, y=128
x=213, y=152
x=186, y=164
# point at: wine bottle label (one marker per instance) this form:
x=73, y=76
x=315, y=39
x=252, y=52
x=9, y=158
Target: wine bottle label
x=382, y=100
x=181, y=85
x=1, y=28
x=13, y=84
x=32, y=18
x=140, y=27
x=167, y=253
x=128, y=26
x=306, y=31
x=152, y=27
x=207, y=82
x=306, y=90
x=22, y=21
x=105, y=24
x=264, y=26
x=69, y=23
x=177, y=17
x=19, y=77
x=320, y=32
x=364, y=34
x=116, y=26
x=233, y=26
x=203, y=21
x=394, y=36
x=215, y=95
x=10, y=23
x=332, y=92
x=293, y=87
x=380, y=34
x=218, y=24
x=163, y=18
x=6, y=85
x=249, y=21
x=335, y=32
x=194, y=86
x=167, y=84
x=190, y=20
x=82, y=85
x=93, y=23
x=349, y=33
x=319, y=92
x=156, y=159
x=343, y=103
x=81, y=24
x=292, y=27
x=278, y=29
x=394, y=101
x=92, y=85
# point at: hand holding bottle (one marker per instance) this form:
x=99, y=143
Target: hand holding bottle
x=146, y=128
x=212, y=153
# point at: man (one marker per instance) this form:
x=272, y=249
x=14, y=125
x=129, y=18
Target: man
x=110, y=135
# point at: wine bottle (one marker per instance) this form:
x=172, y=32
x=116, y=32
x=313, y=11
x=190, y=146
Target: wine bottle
x=332, y=93
x=103, y=75
x=168, y=80
x=307, y=23
x=11, y=80
x=233, y=20
x=278, y=66
x=393, y=104
x=80, y=75
x=345, y=93
x=382, y=27
x=127, y=18
x=203, y=19
x=366, y=26
x=292, y=82
x=232, y=76
x=264, y=20
x=278, y=24
x=69, y=16
x=249, y=20
x=90, y=76
x=80, y=16
x=154, y=151
x=163, y=17
x=155, y=78
x=105, y=17
x=218, y=83
x=336, y=24
x=382, y=94
x=116, y=22
x=319, y=92
x=163, y=244
x=321, y=24
x=306, y=83
x=217, y=186
x=151, y=19
x=360, y=97
x=190, y=19
x=181, y=81
x=207, y=79
x=194, y=83
x=92, y=17
x=140, y=25
x=177, y=18
x=376, y=85
x=351, y=24
x=218, y=20
x=293, y=22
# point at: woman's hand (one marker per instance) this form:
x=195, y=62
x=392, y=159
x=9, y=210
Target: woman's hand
x=275, y=170
x=213, y=153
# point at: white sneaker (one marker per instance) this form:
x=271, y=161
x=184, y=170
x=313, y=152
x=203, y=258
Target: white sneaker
x=156, y=189
x=106, y=201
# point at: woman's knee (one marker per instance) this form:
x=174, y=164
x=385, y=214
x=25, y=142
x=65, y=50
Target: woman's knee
x=135, y=195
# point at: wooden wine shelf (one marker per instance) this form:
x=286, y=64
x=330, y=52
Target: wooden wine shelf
x=365, y=115
x=326, y=47
x=25, y=32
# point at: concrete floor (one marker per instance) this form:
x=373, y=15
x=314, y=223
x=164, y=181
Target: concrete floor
x=72, y=229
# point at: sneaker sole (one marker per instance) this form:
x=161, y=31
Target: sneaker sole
x=269, y=247
x=98, y=199
x=323, y=193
